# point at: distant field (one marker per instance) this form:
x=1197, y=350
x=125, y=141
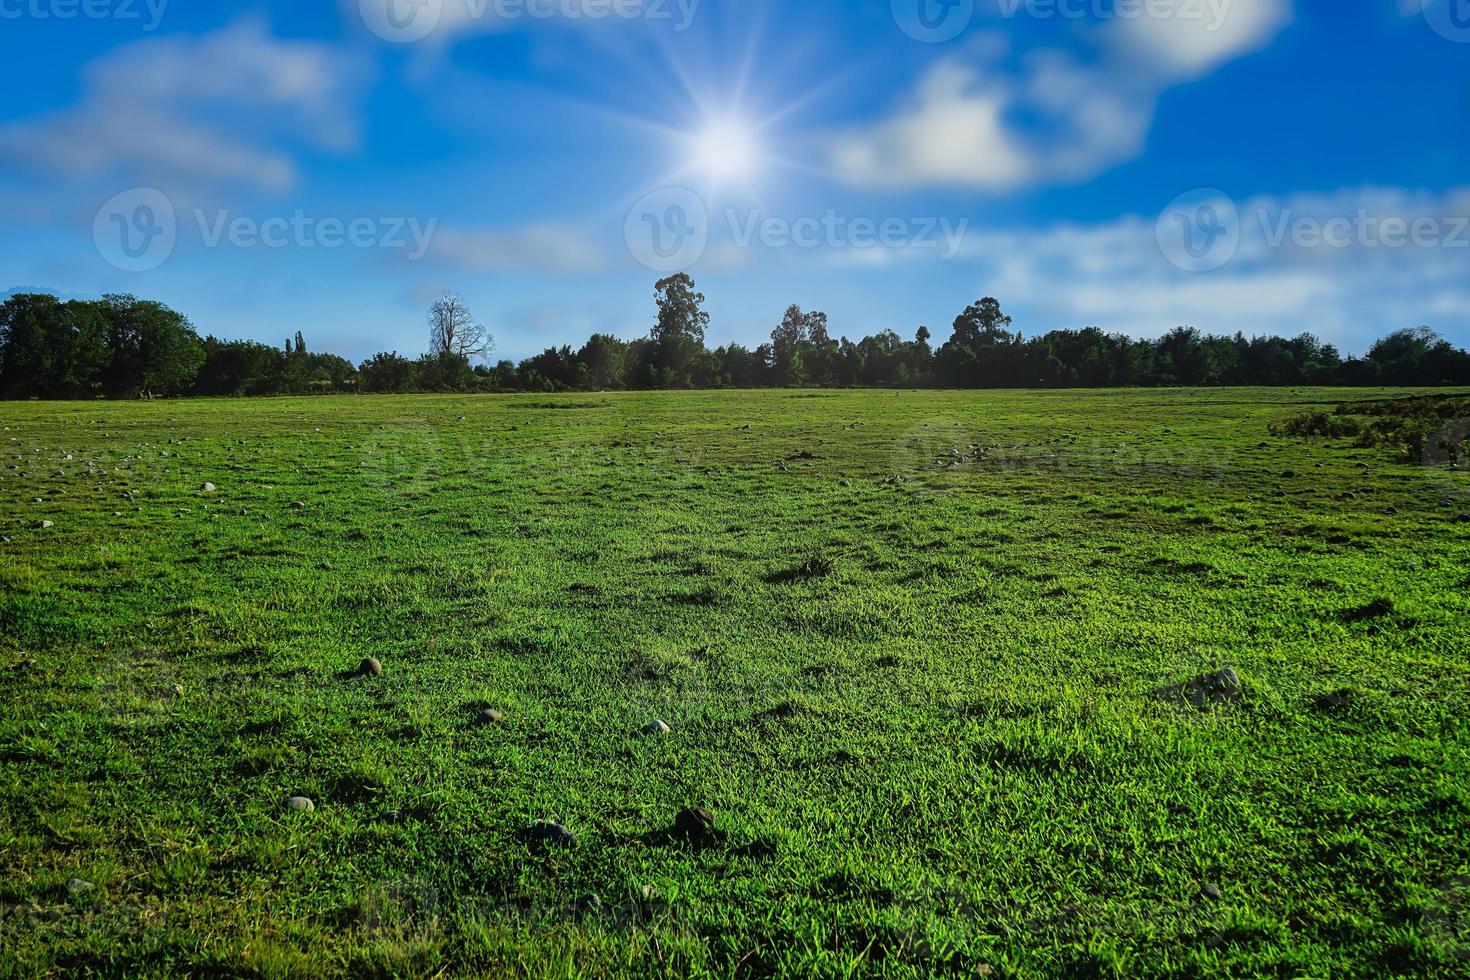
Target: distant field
x=910, y=646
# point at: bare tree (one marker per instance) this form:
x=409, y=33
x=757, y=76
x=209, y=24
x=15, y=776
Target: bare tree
x=453, y=330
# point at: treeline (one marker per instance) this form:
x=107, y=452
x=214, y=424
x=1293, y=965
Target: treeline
x=122, y=347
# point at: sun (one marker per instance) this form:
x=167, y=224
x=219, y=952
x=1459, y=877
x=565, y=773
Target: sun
x=726, y=150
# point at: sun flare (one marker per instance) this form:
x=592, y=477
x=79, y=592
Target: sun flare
x=726, y=150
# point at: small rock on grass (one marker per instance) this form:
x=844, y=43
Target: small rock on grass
x=490, y=716
x=45, y=524
x=208, y=488
x=1212, y=892
x=77, y=886
x=1209, y=690
x=696, y=826
x=1333, y=700
x=1217, y=688
x=300, y=804
x=551, y=835
x=588, y=905
x=371, y=667
x=656, y=727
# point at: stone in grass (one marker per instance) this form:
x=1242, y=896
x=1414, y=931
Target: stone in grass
x=590, y=904
x=1209, y=690
x=489, y=716
x=548, y=835
x=208, y=488
x=43, y=525
x=641, y=909
x=1334, y=700
x=695, y=825
x=77, y=886
x=1211, y=891
x=299, y=804
x=656, y=727
x=370, y=667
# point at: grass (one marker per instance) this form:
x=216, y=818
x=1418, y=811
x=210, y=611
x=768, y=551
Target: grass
x=920, y=686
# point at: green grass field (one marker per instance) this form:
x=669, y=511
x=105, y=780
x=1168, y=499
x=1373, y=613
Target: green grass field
x=921, y=700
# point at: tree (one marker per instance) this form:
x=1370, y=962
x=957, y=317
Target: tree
x=982, y=352
x=239, y=367
x=983, y=324
x=678, y=333
x=155, y=350
x=387, y=373
x=605, y=358
x=443, y=372
x=51, y=349
x=788, y=342
x=453, y=330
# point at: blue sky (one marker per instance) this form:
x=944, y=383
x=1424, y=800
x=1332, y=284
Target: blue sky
x=274, y=167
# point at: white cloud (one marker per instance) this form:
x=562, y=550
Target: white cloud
x=1051, y=117
x=953, y=134
x=195, y=112
x=555, y=248
x=1198, y=38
